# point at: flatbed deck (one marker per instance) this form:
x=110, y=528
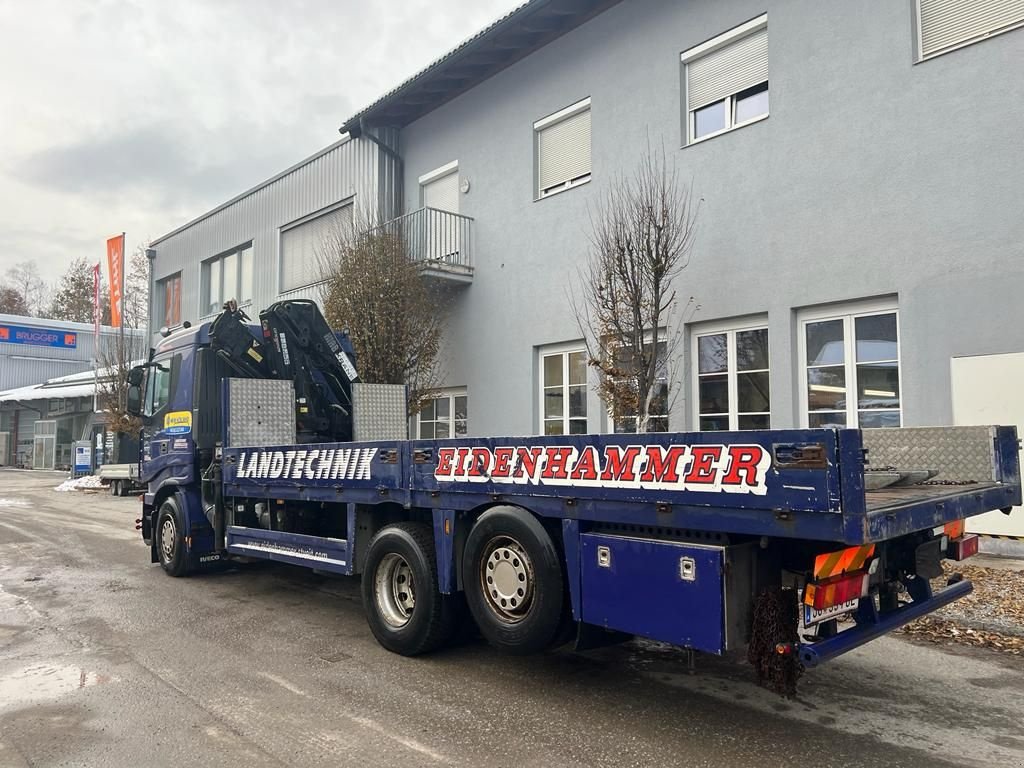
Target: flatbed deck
x=892, y=499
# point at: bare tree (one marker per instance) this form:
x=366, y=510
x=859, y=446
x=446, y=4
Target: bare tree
x=136, y=290
x=373, y=289
x=641, y=236
x=24, y=278
x=119, y=352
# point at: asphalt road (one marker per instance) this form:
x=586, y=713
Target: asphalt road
x=105, y=661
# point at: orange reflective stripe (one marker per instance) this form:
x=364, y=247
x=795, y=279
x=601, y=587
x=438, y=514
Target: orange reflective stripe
x=851, y=559
x=824, y=565
x=861, y=557
x=955, y=529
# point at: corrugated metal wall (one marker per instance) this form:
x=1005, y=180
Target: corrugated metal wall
x=349, y=169
x=25, y=364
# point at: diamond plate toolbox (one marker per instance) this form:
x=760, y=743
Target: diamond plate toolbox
x=379, y=412
x=260, y=412
x=958, y=453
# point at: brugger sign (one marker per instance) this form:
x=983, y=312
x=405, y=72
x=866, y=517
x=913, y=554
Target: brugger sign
x=728, y=468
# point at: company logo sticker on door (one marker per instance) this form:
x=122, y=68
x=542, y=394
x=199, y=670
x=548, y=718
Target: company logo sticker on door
x=178, y=422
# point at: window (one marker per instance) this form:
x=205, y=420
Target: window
x=945, y=25
x=851, y=368
x=564, y=392
x=444, y=416
x=158, y=386
x=227, y=276
x=726, y=81
x=733, y=390
x=624, y=417
x=168, y=292
x=440, y=188
x=562, y=143
x=439, y=191
x=303, y=243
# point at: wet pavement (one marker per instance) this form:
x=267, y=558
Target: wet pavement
x=105, y=661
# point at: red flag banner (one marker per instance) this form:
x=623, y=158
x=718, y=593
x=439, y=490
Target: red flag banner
x=96, y=314
x=115, y=268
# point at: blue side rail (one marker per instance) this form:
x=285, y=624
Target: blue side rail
x=800, y=484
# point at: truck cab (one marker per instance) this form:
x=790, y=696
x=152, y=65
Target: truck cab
x=180, y=408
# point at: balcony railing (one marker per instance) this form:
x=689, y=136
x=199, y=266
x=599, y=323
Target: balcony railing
x=440, y=241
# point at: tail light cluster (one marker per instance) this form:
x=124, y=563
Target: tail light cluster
x=836, y=590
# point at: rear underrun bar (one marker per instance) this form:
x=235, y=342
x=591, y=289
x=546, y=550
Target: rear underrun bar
x=867, y=629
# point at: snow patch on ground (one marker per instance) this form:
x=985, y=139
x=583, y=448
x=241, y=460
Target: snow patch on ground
x=87, y=483
x=13, y=502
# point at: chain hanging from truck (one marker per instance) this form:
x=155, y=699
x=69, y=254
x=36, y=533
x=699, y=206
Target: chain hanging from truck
x=774, y=641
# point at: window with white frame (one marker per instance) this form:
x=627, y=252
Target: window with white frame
x=851, y=367
x=446, y=415
x=304, y=244
x=562, y=146
x=945, y=25
x=624, y=415
x=564, y=392
x=733, y=372
x=726, y=81
x=440, y=188
x=225, y=277
x=443, y=234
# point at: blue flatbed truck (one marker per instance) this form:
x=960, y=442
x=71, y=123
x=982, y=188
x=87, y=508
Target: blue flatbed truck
x=795, y=545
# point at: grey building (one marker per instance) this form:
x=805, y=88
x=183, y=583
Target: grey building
x=34, y=349
x=861, y=223
x=46, y=388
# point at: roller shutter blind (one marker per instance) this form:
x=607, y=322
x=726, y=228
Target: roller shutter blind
x=443, y=232
x=302, y=245
x=442, y=193
x=563, y=151
x=948, y=23
x=728, y=70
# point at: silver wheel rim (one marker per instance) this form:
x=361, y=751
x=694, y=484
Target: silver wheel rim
x=507, y=579
x=168, y=533
x=394, y=590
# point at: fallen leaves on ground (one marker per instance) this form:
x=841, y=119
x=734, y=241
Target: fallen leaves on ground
x=992, y=616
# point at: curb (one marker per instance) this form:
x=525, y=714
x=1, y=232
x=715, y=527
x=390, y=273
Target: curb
x=1006, y=546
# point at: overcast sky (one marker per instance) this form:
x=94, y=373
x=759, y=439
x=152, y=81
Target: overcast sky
x=138, y=116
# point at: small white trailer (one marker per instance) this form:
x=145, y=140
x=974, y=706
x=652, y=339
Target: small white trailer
x=122, y=479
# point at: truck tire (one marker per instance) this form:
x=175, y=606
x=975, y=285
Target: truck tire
x=170, y=540
x=115, y=488
x=512, y=575
x=404, y=608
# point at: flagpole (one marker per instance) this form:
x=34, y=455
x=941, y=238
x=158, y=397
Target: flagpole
x=121, y=351
x=95, y=337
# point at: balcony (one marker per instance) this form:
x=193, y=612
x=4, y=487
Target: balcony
x=439, y=241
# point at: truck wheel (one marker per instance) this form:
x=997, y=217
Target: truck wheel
x=115, y=488
x=170, y=543
x=512, y=576
x=406, y=612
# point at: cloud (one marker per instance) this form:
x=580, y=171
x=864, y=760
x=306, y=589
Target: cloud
x=106, y=164
x=121, y=115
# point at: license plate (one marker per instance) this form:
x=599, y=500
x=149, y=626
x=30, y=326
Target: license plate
x=816, y=615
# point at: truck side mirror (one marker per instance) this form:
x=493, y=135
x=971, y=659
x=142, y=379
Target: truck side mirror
x=133, y=400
